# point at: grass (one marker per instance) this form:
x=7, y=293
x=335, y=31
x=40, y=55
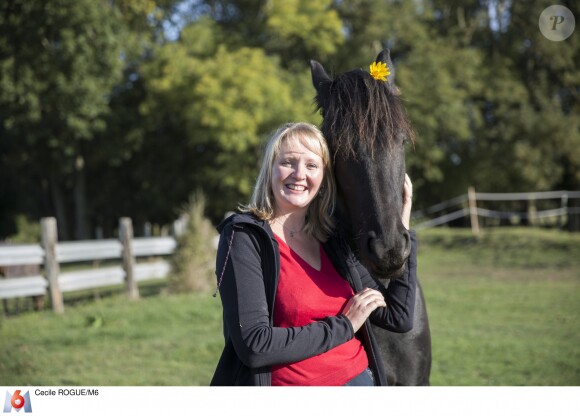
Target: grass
x=503, y=310
x=161, y=340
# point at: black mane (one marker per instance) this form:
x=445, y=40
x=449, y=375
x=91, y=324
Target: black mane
x=362, y=108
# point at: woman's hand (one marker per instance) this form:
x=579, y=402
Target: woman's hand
x=360, y=306
x=407, y=201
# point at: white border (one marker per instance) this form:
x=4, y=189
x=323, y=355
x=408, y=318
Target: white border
x=298, y=401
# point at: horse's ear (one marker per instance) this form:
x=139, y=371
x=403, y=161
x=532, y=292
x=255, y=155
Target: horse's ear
x=385, y=57
x=321, y=82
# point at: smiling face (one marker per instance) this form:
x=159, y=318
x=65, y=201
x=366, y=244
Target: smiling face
x=297, y=174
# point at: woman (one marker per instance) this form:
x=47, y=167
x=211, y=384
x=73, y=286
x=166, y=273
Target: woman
x=286, y=280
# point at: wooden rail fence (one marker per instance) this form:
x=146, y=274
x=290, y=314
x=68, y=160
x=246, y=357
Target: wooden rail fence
x=467, y=207
x=50, y=254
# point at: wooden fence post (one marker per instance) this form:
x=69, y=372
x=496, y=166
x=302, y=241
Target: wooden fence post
x=532, y=212
x=126, y=237
x=564, y=208
x=473, y=211
x=51, y=266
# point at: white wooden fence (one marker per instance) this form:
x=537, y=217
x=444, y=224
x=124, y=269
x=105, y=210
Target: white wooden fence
x=467, y=206
x=51, y=254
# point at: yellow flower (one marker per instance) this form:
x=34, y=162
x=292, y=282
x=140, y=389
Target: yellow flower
x=379, y=71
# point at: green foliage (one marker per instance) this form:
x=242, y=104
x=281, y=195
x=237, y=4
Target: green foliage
x=223, y=102
x=59, y=60
x=193, y=262
x=438, y=96
x=531, y=129
x=173, y=96
x=485, y=94
x=28, y=232
x=526, y=109
x=437, y=75
x=302, y=28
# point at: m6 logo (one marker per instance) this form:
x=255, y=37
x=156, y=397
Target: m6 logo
x=17, y=401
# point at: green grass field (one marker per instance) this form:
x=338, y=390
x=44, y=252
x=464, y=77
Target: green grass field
x=503, y=311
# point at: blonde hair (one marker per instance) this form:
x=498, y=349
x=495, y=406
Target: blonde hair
x=319, y=222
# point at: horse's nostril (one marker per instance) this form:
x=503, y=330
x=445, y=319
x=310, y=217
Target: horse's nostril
x=391, y=253
x=376, y=246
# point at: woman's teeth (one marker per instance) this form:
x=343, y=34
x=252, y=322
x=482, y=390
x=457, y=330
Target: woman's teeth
x=296, y=187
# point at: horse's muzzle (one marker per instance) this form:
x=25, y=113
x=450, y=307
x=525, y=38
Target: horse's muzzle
x=387, y=257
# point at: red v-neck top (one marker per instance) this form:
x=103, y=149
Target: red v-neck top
x=307, y=295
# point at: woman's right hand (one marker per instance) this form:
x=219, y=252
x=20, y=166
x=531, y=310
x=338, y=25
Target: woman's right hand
x=361, y=305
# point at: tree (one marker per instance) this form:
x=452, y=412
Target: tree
x=494, y=103
x=437, y=75
x=58, y=62
x=532, y=107
x=94, y=91
x=213, y=104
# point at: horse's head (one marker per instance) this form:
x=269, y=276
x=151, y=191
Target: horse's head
x=366, y=127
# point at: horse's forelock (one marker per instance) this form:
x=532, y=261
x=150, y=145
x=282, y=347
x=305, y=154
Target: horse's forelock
x=364, y=109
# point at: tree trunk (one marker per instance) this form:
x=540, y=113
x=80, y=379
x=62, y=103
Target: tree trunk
x=59, y=206
x=574, y=217
x=81, y=229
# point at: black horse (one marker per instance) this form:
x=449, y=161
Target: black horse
x=366, y=128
